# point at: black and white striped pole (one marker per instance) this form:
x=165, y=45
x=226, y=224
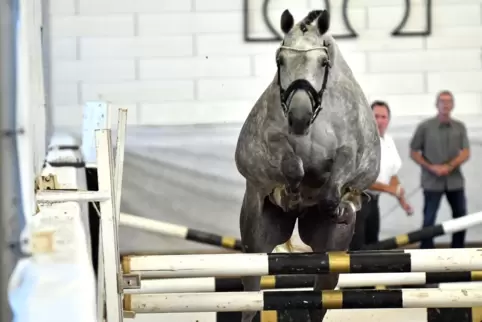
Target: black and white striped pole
x=461, y=314
x=445, y=228
x=217, y=284
x=228, y=265
x=179, y=231
x=295, y=300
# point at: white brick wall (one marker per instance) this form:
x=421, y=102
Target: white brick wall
x=185, y=61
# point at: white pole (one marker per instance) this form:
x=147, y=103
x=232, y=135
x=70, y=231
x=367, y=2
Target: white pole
x=441, y=298
x=175, y=285
x=387, y=279
x=66, y=196
x=194, y=302
x=220, y=265
x=154, y=226
x=208, y=265
x=96, y=115
x=462, y=223
x=208, y=284
x=110, y=250
x=254, y=301
x=119, y=159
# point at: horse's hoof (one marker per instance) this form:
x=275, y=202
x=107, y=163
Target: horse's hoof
x=352, y=201
x=350, y=206
x=344, y=212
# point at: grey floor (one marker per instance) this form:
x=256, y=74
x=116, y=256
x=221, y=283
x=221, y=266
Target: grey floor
x=186, y=175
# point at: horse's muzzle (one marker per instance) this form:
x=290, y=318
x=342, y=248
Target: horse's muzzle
x=299, y=124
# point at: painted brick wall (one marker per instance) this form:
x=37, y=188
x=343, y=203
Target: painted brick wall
x=185, y=61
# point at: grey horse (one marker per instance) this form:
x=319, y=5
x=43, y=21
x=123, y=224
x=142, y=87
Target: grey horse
x=308, y=149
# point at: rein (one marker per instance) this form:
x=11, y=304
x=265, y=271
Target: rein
x=316, y=98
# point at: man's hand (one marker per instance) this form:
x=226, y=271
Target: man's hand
x=406, y=206
x=440, y=169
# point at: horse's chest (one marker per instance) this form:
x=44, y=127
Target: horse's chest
x=313, y=155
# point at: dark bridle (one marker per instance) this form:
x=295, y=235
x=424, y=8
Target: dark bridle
x=316, y=97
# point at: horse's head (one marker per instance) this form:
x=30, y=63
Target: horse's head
x=303, y=63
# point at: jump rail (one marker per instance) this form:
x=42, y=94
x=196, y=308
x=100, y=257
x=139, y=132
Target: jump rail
x=381, y=315
x=179, y=231
x=228, y=265
x=447, y=227
x=168, y=229
x=292, y=300
x=214, y=284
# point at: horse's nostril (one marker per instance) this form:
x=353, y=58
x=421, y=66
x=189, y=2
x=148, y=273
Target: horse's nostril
x=290, y=121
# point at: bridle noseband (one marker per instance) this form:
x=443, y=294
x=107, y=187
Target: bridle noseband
x=316, y=98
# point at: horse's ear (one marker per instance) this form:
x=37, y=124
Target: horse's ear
x=287, y=21
x=323, y=22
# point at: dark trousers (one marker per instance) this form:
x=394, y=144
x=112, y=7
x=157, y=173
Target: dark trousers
x=458, y=204
x=367, y=225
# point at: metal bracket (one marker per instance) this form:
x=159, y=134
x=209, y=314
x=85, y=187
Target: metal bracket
x=129, y=314
x=131, y=281
x=48, y=182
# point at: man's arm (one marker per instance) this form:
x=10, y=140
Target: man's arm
x=419, y=159
x=417, y=145
x=378, y=186
x=464, y=153
x=394, y=187
x=394, y=181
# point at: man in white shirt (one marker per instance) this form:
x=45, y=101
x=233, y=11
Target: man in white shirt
x=367, y=225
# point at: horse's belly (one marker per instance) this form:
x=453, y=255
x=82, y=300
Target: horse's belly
x=316, y=173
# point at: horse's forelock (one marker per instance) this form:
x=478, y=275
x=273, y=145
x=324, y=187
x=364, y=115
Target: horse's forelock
x=304, y=34
x=303, y=28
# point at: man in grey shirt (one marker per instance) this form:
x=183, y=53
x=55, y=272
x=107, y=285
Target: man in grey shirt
x=440, y=146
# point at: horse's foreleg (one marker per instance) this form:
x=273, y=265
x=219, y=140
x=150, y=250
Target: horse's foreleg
x=322, y=235
x=263, y=227
x=342, y=171
x=272, y=163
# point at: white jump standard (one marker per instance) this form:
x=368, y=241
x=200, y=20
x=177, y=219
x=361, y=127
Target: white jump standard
x=228, y=265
